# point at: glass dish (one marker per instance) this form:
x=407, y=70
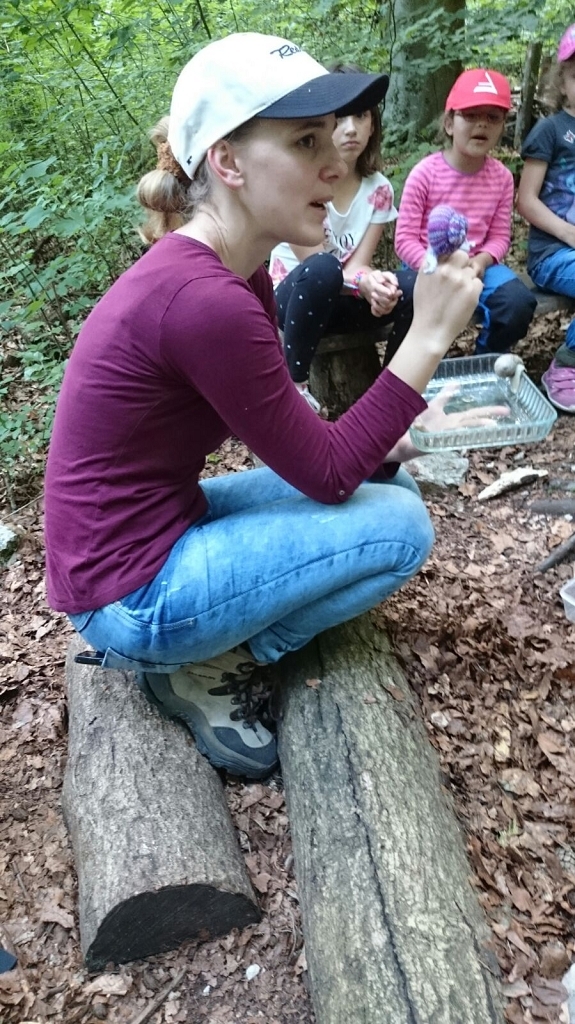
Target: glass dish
x=531, y=415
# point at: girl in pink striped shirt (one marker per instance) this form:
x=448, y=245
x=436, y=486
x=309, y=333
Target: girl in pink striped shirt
x=480, y=187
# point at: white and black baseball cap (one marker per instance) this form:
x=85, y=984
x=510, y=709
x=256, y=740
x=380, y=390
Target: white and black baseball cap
x=247, y=75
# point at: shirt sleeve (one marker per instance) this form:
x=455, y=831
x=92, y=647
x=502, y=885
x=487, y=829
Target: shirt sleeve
x=498, y=231
x=410, y=230
x=380, y=200
x=540, y=142
x=236, y=363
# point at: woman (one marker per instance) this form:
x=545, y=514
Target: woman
x=195, y=584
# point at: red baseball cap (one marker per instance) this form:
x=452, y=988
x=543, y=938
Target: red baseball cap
x=567, y=44
x=479, y=88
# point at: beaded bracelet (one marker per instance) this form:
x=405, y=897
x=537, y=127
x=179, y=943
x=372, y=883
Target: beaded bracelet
x=354, y=286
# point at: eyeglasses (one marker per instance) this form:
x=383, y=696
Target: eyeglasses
x=473, y=116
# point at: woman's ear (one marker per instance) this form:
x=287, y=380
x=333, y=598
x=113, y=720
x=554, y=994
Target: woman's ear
x=221, y=159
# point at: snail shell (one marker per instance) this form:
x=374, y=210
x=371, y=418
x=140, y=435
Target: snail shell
x=506, y=365
x=446, y=230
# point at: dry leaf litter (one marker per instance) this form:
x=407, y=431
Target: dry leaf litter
x=485, y=644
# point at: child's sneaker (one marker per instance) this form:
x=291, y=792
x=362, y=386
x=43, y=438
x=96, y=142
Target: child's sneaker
x=559, y=383
x=217, y=701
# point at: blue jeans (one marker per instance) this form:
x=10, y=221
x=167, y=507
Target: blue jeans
x=505, y=310
x=556, y=273
x=506, y=307
x=266, y=566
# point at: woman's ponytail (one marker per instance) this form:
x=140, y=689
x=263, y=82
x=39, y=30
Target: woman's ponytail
x=163, y=192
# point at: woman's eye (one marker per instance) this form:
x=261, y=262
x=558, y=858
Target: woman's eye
x=308, y=141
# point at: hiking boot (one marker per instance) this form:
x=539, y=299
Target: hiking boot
x=219, y=703
x=559, y=383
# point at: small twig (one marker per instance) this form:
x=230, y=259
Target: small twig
x=559, y=554
x=160, y=998
x=19, y=880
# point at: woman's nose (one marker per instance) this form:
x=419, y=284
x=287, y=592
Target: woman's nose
x=334, y=168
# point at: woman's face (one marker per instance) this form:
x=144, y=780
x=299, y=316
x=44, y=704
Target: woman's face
x=289, y=169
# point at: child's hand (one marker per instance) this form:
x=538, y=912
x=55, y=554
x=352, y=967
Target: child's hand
x=382, y=291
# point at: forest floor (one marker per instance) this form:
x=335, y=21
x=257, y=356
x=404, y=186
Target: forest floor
x=485, y=644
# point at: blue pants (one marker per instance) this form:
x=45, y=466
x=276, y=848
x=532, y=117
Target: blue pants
x=505, y=310
x=268, y=566
x=556, y=273
x=310, y=304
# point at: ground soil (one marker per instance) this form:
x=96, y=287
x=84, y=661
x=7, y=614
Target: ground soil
x=485, y=644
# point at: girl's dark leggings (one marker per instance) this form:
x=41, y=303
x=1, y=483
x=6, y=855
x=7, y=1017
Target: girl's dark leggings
x=310, y=305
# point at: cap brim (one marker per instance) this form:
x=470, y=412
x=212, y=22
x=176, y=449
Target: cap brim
x=331, y=94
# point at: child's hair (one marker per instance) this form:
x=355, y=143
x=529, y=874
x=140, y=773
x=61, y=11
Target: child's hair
x=552, y=95
x=166, y=193
x=370, y=160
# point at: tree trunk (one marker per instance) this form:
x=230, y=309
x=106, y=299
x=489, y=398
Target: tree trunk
x=528, y=90
x=156, y=853
x=418, y=89
x=343, y=368
x=393, y=932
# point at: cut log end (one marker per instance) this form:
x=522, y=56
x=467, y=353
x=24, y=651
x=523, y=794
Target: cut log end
x=156, y=922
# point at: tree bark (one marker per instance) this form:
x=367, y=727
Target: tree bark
x=418, y=85
x=393, y=932
x=155, y=849
x=528, y=89
x=343, y=368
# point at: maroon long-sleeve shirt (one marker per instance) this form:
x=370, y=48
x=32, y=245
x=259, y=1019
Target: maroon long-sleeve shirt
x=178, y=355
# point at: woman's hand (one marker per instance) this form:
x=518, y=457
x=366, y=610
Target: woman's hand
x=444, y=301
x=434, y=420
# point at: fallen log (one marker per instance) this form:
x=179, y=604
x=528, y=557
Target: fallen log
x=156, y=854
x=393, y=932
x=550, y=507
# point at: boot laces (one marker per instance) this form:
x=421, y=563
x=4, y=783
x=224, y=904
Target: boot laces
x=250, y=692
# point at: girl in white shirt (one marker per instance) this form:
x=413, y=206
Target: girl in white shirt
x=333, y=286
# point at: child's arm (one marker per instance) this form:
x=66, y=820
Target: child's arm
x=497, y=237
x=410, y=228
x=530, y=206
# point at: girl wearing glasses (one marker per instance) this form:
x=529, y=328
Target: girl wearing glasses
x=477, y=185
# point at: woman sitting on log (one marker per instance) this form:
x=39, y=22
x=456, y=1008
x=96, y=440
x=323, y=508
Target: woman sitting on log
x=193, y=582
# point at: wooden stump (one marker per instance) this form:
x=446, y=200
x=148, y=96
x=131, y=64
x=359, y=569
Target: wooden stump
x=155, y=849
x=344, y=367
x=393, y=932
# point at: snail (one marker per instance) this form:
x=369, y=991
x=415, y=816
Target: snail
x=446, y=232
x=510, y=365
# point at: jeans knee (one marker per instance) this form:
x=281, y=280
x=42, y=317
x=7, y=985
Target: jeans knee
x=511, y=310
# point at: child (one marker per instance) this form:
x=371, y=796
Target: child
x=192, y=582
x=546, y=199
x=318, y=289
x=481, y=188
